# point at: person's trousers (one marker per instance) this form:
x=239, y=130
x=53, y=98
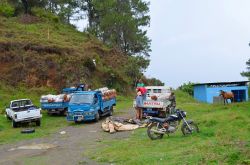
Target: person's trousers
x=138, y=113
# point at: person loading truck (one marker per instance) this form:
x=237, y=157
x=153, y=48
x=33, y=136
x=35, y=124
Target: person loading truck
x=139, y=105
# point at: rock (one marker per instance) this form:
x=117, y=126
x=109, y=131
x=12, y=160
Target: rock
x=63, y=132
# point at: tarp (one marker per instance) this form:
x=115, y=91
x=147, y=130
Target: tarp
x=118, y=124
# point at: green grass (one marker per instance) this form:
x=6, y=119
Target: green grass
x=224, y=138
x=49, y=124
x=60, y=35
x=124, y=102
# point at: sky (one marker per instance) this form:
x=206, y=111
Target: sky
x=198, y=40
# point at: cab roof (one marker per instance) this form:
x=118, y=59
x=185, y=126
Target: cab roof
x=20, y=100
x=86, y=92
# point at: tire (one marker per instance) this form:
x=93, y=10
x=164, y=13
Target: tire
x=28, y=130
x=97, y=117
x=153, y=135
x=38, y=122
x=111, y=111
x=186, y=131
x=64, y=112
x=14, y=124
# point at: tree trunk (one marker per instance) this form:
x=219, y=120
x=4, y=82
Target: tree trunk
x=26, y=6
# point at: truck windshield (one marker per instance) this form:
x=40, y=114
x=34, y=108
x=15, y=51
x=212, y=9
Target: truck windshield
x=21, y=103
x=82, y=99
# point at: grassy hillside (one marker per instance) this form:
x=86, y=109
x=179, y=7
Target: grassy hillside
x=224, y=138
x=38, y=52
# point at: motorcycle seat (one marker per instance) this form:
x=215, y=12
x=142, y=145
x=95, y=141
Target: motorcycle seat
x=156, y=119
x=172, y=118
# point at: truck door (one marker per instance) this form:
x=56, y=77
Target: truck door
x=96, y=103
x=100, y=103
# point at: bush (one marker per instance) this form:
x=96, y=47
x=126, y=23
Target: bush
x=188, y=88
x=46, y=15
x=6, y=10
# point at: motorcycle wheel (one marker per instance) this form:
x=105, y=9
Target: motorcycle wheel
x=153, y=135
x=186, y=131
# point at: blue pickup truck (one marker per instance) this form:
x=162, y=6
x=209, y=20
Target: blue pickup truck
x=89, y=105
x=59, y=107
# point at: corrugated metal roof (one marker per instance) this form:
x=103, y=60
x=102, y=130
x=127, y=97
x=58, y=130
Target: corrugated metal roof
x=233, y=82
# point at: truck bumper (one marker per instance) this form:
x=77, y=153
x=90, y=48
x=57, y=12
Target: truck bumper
x=149, y=111
x=28, y=119
x=80, y=118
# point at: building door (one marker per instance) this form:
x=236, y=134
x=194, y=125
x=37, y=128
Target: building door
x=239, y=95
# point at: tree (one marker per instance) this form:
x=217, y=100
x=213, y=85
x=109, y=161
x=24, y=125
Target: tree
x=246, y=73
x=135, y=67
x=119, y=23
x=188, y=88
x=26, y=5
x=153, y=82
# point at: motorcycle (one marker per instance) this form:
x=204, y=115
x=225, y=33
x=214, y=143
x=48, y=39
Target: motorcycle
x=157, y=127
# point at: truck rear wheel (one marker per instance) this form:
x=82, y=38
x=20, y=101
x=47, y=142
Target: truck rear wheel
x=64, y=112
x=111, y=111
x=14, y=124
x=97, y=117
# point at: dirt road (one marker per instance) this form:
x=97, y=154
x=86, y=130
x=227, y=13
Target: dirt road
x=61, y=149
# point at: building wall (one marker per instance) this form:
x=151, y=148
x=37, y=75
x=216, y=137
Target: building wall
x=211, y=92
x=200, y=93
x=205, y=94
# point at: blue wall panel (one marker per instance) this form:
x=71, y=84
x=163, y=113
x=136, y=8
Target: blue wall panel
x=205, y=94
x=200, y=93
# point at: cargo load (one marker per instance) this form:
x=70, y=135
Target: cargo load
x=107, y=94
x=55, y=98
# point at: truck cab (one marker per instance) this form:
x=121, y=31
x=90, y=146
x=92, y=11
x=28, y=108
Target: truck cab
x=89, y=105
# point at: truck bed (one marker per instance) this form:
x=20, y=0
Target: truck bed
x=108, y=103
x=54, y=105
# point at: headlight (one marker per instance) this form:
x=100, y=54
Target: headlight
x=90, y=112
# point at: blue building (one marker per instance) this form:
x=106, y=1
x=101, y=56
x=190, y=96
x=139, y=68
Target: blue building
x=209, y=92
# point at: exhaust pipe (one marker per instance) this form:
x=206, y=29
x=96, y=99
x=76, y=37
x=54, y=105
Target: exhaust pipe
x=156, y=131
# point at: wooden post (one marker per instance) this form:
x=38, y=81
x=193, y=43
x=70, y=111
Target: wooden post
x=48, y=33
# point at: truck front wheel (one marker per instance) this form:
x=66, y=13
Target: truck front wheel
x=38, y=122
x=97, y=116
x=7, y=116
x=14, y=124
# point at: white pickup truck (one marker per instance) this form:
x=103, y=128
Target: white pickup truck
x=23, y=110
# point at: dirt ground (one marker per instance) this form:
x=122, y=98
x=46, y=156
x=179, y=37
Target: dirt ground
x=62, y=149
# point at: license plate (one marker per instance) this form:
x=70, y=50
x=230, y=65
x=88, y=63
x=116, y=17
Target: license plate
x=78, y=118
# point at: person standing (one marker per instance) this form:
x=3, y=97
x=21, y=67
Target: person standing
x=138, y=106
x=173, y=102
x=143, y=91
x=140, y=83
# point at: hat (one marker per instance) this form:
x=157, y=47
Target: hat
x=139, y=93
